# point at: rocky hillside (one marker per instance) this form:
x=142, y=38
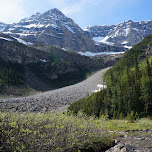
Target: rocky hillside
x=54, y=28
x=128, y=33
x=42, y=67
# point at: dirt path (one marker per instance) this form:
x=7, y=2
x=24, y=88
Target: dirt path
x=54, y=100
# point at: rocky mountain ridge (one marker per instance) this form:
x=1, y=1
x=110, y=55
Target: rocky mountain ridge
x=127, y=33
x=54, y=28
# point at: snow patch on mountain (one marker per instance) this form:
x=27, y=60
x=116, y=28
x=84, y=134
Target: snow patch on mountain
x=43, y=60
x=2, y=26
x=85, y=29
x=34, y=25
x=99, y=53
x=128, y=47
x=22, y=41
x=7, y=39
x=63, y=49
x=102, y=40
x=98, y=39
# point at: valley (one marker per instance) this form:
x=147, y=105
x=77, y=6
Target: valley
x=54, y=100
x=64, y=88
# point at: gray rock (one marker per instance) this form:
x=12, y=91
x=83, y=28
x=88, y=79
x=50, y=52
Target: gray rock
x=120, y=147
x=145, y=130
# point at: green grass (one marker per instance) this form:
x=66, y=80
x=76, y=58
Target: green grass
x=52, y=133
x=16, y=91
x=145, y=123
x=124, y=125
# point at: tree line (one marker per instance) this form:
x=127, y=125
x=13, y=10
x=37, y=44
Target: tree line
x=129, y=91
x=10, y=74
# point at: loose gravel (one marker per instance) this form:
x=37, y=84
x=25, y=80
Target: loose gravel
x=54, y=100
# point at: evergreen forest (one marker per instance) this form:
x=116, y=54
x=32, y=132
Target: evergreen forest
x=129, y=87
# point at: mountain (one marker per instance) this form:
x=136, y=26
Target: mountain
x=54, y=28
x=127, y=33
x=2, y=26
x=43, y=67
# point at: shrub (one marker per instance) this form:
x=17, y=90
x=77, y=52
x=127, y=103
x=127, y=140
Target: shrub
x=50, y=132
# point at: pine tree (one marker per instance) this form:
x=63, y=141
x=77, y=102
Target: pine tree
x=148, y=69
x=136, y=68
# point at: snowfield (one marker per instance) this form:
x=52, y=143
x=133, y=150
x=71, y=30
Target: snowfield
x=99, y=53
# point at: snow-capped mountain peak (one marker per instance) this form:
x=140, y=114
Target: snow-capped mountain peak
x=55, y=12
x=33, y=27
x=127, y=33
x=54, y=28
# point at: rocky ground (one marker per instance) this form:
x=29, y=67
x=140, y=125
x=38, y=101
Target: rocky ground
x=138, y=140
x=55, y=100
x=133, y=141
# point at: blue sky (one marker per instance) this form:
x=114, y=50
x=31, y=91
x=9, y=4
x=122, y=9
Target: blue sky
x=83, y=12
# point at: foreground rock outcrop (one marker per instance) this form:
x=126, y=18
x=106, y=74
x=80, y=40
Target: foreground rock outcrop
x=119, y=147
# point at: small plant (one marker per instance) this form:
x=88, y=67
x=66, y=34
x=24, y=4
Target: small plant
x=104, y=117
x=132, y=117
x=121, y=116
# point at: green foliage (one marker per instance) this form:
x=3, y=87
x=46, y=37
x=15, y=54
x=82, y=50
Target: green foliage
x=8, y=74
x=131, y=117
x=95, y=105
x=121, y=116
x=145, y=123
x=123, y=125
x=130, y=91
x=129, y=87
x=54, y=133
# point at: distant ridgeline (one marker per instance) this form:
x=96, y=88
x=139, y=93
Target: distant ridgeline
x=129, y=86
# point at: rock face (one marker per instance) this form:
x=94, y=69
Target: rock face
x=54, y=28
x=98, y=30
x=127, y=33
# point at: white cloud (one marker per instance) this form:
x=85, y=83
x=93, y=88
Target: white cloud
x=72, y=6
x=11, y=11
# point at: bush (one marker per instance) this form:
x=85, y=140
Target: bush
x=54, y=133
x=132, y=117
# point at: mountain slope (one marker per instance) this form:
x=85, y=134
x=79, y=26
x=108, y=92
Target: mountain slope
x=142, y=50
x=129, y=87
x=127, y=33
x=54, y=28
x=43, y=67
